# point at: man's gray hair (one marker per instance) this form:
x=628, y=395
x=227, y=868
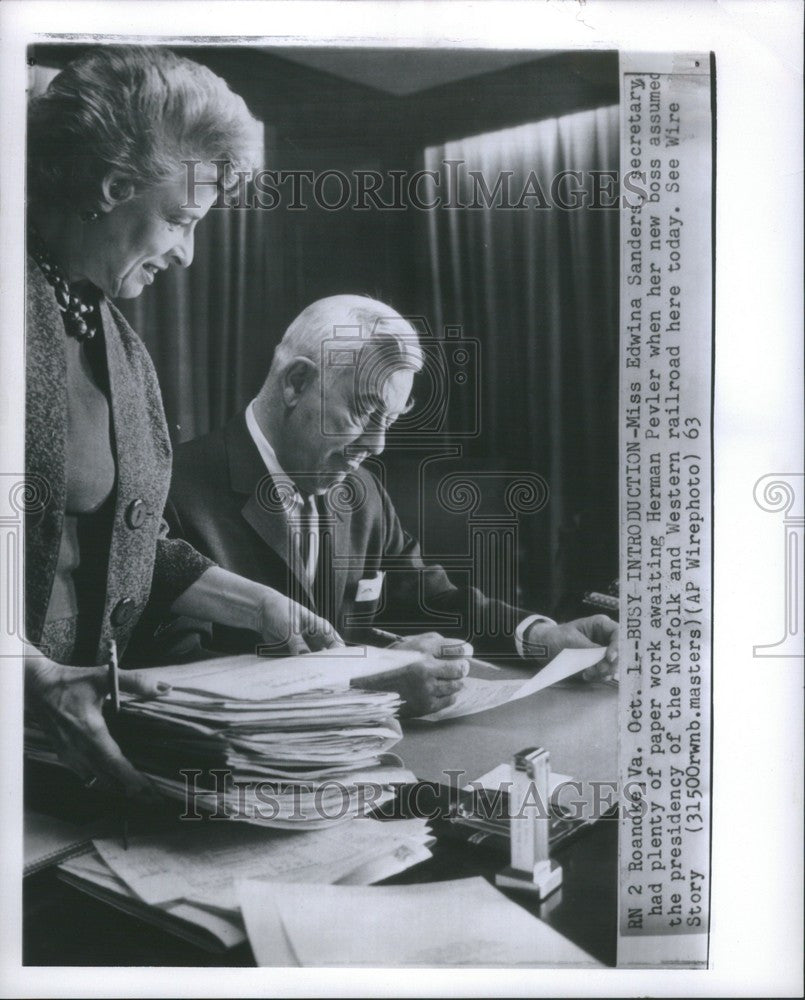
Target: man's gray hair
x=351, y=321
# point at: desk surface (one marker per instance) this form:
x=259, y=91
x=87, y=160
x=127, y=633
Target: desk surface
x=577, y=723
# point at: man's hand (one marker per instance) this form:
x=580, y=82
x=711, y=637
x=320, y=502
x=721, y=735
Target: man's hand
x=543, y=641
x=68, y=702
x=433, y=682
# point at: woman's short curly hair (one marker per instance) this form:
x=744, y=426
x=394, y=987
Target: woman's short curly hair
x=140, y=111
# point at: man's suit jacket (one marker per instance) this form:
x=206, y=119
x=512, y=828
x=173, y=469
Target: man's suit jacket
x=223, y=502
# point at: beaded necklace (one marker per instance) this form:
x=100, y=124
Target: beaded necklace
x=79, y=312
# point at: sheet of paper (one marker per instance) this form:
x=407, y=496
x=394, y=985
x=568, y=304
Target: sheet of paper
x=268, y=940
x=458, y=923
x=402, y=857
x=255, y=678
x=202, y=861
x=49, y=839
x=92, y=872
x=479, y=695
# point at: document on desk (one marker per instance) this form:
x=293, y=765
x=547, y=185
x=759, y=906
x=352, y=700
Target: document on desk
x=479, y=694
x=47, y=840
x=258, y=678
x=200, y=862
x=213, y=931
x=465, y=922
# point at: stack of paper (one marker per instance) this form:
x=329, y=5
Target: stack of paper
x=460, y=923
x=184, y=879
x=287, y=743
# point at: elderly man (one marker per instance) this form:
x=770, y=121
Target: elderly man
x=279, y=495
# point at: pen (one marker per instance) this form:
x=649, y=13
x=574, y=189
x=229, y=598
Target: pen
x=114, y=677
x=114, y=695
x=390, y=637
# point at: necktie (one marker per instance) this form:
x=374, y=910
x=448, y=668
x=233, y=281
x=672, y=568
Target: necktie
x=308, y=537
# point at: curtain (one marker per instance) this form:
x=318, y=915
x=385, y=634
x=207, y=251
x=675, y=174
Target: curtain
x=208, y=327
x=539, y=289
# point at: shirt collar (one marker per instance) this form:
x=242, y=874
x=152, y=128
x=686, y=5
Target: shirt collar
x=267, y=453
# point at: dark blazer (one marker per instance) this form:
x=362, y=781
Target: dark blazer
x=221, y=501
x=143, y=562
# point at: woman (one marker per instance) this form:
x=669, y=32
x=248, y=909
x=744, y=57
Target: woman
x=128, y=150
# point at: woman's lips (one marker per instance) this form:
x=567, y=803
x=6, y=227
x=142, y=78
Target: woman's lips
x=150, y=271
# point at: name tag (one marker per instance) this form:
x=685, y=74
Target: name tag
x=370, y=588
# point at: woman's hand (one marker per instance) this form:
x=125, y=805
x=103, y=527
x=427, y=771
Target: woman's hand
x=228, y=599
x=68, y=702
x=287, y=623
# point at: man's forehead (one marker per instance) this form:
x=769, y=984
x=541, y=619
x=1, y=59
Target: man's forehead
x=389, y=387
x=360, y=352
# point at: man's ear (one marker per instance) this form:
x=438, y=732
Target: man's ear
x=296, y=378
x=115, y=189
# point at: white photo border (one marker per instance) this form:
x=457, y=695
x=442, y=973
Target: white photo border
x=756, y=925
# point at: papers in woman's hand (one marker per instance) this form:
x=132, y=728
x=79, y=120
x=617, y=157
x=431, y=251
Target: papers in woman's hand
x=284, y=743
x=459, y=923
x=258, y=678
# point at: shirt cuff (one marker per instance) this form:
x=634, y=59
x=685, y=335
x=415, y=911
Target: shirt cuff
x=524, y=626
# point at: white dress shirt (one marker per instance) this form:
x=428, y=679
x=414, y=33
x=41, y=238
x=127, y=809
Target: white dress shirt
x=284, y=482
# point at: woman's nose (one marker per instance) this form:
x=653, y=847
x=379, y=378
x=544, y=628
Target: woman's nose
x=184, y=250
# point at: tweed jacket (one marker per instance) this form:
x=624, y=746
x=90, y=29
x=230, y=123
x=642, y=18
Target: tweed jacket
x=143, y=562
x=370, y=572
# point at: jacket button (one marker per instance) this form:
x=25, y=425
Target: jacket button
x=135, y=514
x=122, y=611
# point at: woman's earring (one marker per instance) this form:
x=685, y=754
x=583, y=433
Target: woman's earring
x=91, y=215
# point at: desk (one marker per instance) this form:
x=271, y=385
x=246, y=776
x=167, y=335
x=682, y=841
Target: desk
x=576, y=723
